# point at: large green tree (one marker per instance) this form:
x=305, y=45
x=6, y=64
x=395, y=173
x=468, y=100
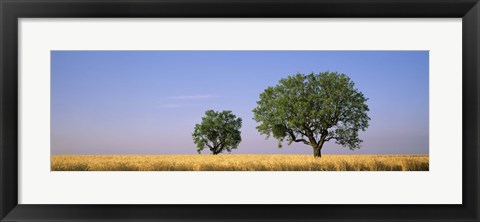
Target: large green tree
x=218, y=131
x=313, y=109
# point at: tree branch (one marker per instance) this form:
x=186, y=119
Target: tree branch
x=206, y=142
x=331, y=137
x=294, y=138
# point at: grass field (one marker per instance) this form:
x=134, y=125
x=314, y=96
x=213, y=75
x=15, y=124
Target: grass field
x=239, y=162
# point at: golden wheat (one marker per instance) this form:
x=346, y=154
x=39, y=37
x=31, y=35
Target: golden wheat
x=239, y=162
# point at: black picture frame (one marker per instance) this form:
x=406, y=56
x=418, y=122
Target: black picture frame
x=12, y=10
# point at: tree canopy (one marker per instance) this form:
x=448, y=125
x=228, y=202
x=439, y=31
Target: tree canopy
x=218, y=131
x=313, y=109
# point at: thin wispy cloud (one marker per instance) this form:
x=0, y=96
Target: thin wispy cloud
x=174, y=105
x=192, y=97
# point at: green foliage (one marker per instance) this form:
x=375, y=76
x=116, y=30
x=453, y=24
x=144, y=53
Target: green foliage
x=218, y=131
x=313, y=109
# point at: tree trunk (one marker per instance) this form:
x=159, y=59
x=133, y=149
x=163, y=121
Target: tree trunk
x=215, y=150
x=317, y=148
x=317, y=152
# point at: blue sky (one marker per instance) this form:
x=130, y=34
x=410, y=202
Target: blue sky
x=147, y=102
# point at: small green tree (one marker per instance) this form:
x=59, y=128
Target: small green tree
x=218, y=131
x=313, y=109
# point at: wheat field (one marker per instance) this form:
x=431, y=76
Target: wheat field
x=239, y=162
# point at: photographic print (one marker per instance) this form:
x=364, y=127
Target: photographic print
x=239, y=110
